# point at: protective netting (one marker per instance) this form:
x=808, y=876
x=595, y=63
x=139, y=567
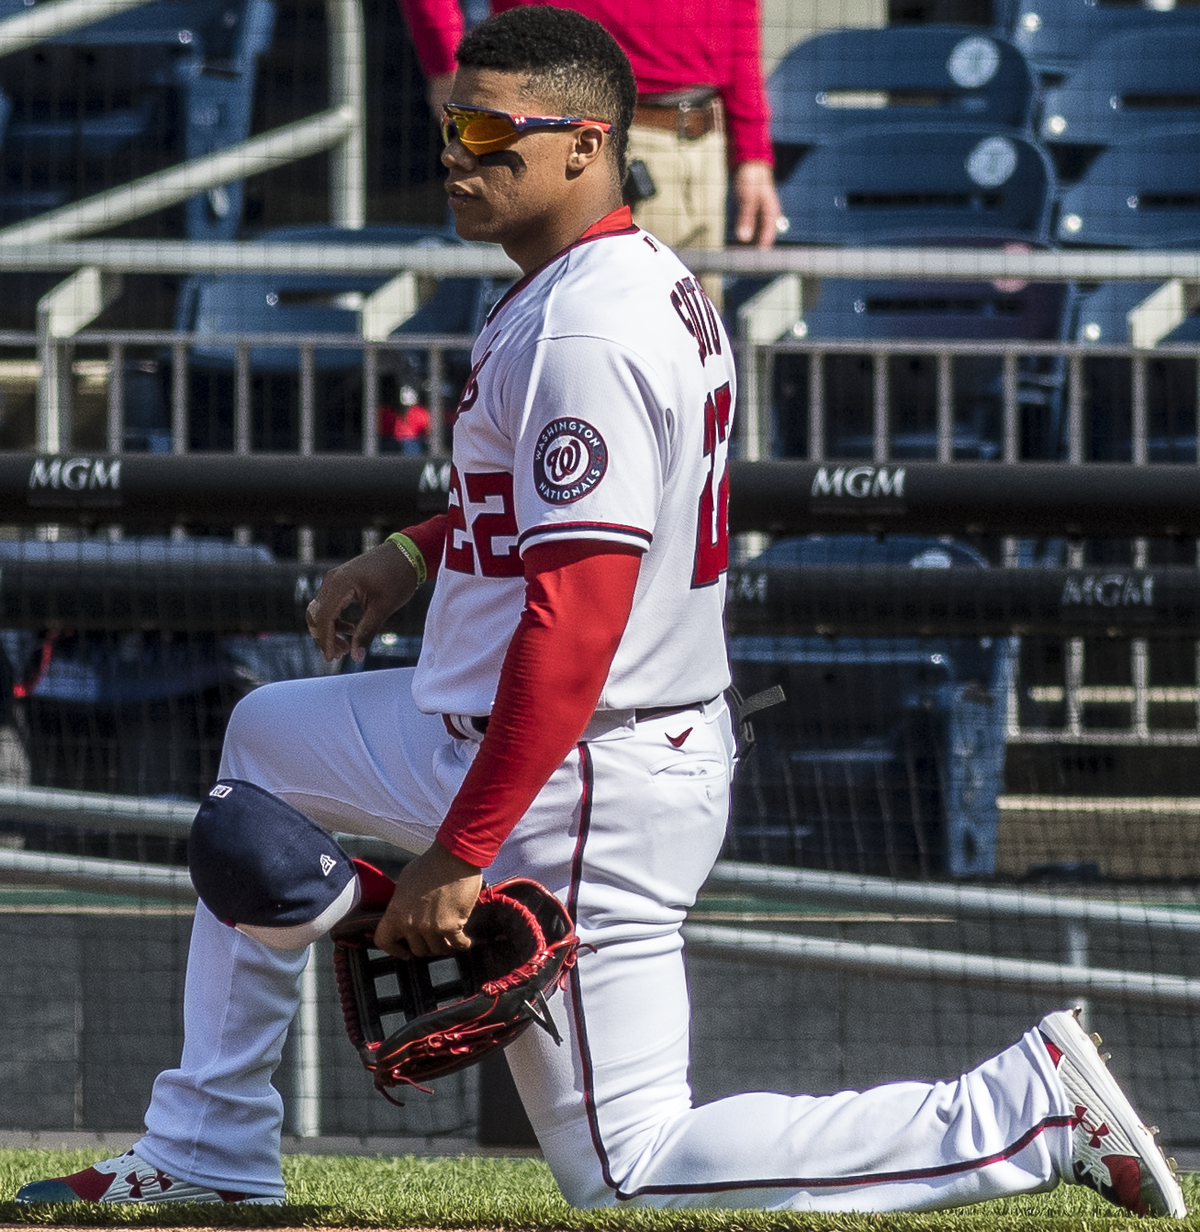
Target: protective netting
x=942, y=832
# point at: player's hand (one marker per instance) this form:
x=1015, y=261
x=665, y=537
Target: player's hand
x=757, y=202
x=379, y=581
x=433, y=898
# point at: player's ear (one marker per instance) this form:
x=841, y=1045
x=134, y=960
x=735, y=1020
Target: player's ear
x=586, y=148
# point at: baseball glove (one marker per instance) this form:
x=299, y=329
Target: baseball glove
x=522, y=946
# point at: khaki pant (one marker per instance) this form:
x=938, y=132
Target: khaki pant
x=688, y=210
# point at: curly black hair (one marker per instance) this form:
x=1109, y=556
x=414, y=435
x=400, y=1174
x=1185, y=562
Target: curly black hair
x=573, y=64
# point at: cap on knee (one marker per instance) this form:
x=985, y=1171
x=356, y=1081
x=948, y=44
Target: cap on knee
x=264, y=868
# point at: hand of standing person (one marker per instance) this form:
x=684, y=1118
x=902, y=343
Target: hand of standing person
x=758, y=209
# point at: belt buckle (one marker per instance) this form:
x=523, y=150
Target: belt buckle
x=682, y=112
x=693, y=120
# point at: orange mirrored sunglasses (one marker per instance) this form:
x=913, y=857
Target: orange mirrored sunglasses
x=483, y=131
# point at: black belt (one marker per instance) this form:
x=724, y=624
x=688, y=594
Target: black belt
x=658, y=712
x=480, y=721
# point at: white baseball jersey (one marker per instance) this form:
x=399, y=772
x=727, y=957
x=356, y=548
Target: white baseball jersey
x=599, y=407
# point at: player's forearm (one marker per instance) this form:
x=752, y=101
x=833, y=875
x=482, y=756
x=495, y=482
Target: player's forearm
x=429, y=538
x=578, y=600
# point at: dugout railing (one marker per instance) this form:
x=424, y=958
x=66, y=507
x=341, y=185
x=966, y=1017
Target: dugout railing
x=89, y=420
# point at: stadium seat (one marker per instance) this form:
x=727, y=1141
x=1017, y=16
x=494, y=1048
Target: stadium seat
x=1187, y=331
x=924, y=311
x=205, y=49
x=1056, y=34
x=218, y=102
x=1128, y=84
x=900, y=76
x=315, y=304
x=1143, y=193
x=164, y=34
x=888, y=755
x=88, y=136
x=1101, y=317
x=883, y=309
x=205, y=29
x=911, y=185
x=136, y=713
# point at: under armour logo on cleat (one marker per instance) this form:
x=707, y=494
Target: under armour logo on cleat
x=1093, y=1132
x=676, y=742
x=328, y=864
x=137, y=1186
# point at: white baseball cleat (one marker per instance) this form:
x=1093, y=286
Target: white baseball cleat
x=129, y=1178
x=1112, y=1152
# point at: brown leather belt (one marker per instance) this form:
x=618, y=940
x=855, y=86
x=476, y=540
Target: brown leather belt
x=689, y=114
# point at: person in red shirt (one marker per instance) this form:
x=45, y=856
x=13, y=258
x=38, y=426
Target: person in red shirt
x=702, y=108
x=404, y=429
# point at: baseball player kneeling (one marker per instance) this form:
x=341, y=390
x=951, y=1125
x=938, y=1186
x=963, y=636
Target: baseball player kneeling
x=566, y=724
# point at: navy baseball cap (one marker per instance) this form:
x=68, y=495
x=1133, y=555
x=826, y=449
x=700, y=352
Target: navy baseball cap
x=263, y=867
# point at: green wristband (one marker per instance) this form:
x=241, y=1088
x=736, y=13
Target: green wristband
x=409, y=550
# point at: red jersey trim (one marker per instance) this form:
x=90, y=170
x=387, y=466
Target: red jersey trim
x=619, y=222
x=573, y=528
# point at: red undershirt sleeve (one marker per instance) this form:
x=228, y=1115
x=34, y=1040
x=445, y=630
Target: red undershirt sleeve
x=430, y=538
x=578, y=596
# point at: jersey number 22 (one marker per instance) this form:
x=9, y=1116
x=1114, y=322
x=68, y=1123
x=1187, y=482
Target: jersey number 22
x=712, y=525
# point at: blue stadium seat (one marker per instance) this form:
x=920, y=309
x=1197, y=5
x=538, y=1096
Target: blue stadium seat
x=883, y=309
x=1128, y=85
x=1143, y=193
x=218, y=106
x=1101, y=315
x=899, y=76
x=207, y=49
x=87, y=136
x=206, y=29
x=1187, y=331
x=1056, y=34
x=887, y=310
x=945, y=184
x=315, y=304
x=888, y=755
x=921, y=311
x=164, y=33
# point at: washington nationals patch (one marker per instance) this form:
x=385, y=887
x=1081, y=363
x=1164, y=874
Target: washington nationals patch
x=569, y=460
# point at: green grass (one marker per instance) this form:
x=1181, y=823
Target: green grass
x=348, y=1191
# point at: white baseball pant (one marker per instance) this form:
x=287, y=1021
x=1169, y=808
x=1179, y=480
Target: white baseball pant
x=625, y=832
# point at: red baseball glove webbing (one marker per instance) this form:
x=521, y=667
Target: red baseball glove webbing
x=458, y=1008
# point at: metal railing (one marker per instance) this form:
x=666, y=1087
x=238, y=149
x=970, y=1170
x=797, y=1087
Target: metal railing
x=804, y=888
x=1152, y=703
x=341, y=129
